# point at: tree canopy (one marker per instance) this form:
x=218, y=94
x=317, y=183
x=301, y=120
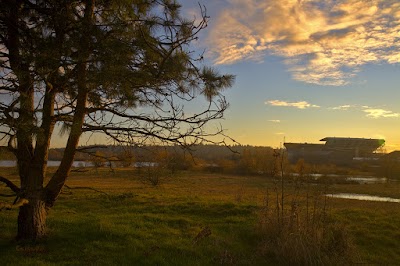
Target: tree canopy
x=125, y=69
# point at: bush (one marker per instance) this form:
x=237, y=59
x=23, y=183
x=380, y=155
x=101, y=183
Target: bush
x=153, y=174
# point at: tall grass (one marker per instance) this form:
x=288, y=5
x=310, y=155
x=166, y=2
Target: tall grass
x=301, y=235
x=295, y=224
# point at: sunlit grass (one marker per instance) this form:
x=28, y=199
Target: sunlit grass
x=136, y=223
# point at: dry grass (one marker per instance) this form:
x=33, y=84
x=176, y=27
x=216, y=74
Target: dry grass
x=304, y=234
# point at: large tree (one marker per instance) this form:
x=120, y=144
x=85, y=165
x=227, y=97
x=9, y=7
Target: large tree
x=121, y=68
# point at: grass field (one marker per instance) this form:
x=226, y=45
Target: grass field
x=192, y=218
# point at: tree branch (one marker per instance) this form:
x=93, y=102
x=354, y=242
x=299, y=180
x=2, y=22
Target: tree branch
x=19, y=203
x=10, y=184
x=7, y=195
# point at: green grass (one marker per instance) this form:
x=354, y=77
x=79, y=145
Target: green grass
x=137, y=224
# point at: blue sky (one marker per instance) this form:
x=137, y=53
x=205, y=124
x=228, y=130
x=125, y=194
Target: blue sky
x=306, y=69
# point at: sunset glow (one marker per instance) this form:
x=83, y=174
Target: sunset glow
x=307, y=69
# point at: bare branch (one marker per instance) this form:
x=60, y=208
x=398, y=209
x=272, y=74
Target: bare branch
x=8, y=195
x=19, y=203
x=10, y=184
x=83, y=149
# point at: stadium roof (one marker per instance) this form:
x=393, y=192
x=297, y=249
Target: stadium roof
x=359, y=143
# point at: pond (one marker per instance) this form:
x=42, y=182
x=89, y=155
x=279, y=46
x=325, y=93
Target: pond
x=367, y=179
x=9, y=163
x=359, y=179
x=362, y=197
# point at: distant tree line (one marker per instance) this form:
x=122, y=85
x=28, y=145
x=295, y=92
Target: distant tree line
x=236, y=159
x=241, y=159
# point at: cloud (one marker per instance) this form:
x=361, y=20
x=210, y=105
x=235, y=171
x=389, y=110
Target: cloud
x=342, y=107
x=324, y=42
x=370, y=112
x=299, y=105
x=380, y=113
x=274, y=121
x=280, y=133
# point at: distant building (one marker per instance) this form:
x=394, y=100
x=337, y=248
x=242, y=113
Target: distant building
x=339, y=151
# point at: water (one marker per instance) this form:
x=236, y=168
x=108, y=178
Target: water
x=357, y=179
x=367, y=179
x=363, y=197
x=7, y=163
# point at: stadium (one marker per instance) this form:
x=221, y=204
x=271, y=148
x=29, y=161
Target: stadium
x=335, y=150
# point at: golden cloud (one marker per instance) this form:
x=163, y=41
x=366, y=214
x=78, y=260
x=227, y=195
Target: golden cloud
x=323, y=41
x=379, y=113
x=299, y=105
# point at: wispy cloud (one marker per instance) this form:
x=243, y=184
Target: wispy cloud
x=274, y=121
x=380, y=113
x=323, y=41
x=342, y=107
x=299, y=105
x=370, y=112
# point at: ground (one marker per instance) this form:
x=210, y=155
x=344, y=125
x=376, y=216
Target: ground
x=127, y=221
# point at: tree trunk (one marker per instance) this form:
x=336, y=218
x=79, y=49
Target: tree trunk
x=32, y=220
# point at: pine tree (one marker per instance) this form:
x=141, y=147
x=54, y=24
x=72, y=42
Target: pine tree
x=125, y=69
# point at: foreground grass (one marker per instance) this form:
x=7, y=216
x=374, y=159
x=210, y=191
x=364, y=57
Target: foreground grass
x=137, y=224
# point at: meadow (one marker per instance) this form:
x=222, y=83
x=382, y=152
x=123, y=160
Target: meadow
x=198, y=218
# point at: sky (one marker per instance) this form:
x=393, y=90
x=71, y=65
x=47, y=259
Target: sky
x=306, y=69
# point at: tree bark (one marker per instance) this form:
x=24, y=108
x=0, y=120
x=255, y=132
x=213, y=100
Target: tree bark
x=32, y=220
x=54, y=186
x=32, y=161
x=32, y=216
